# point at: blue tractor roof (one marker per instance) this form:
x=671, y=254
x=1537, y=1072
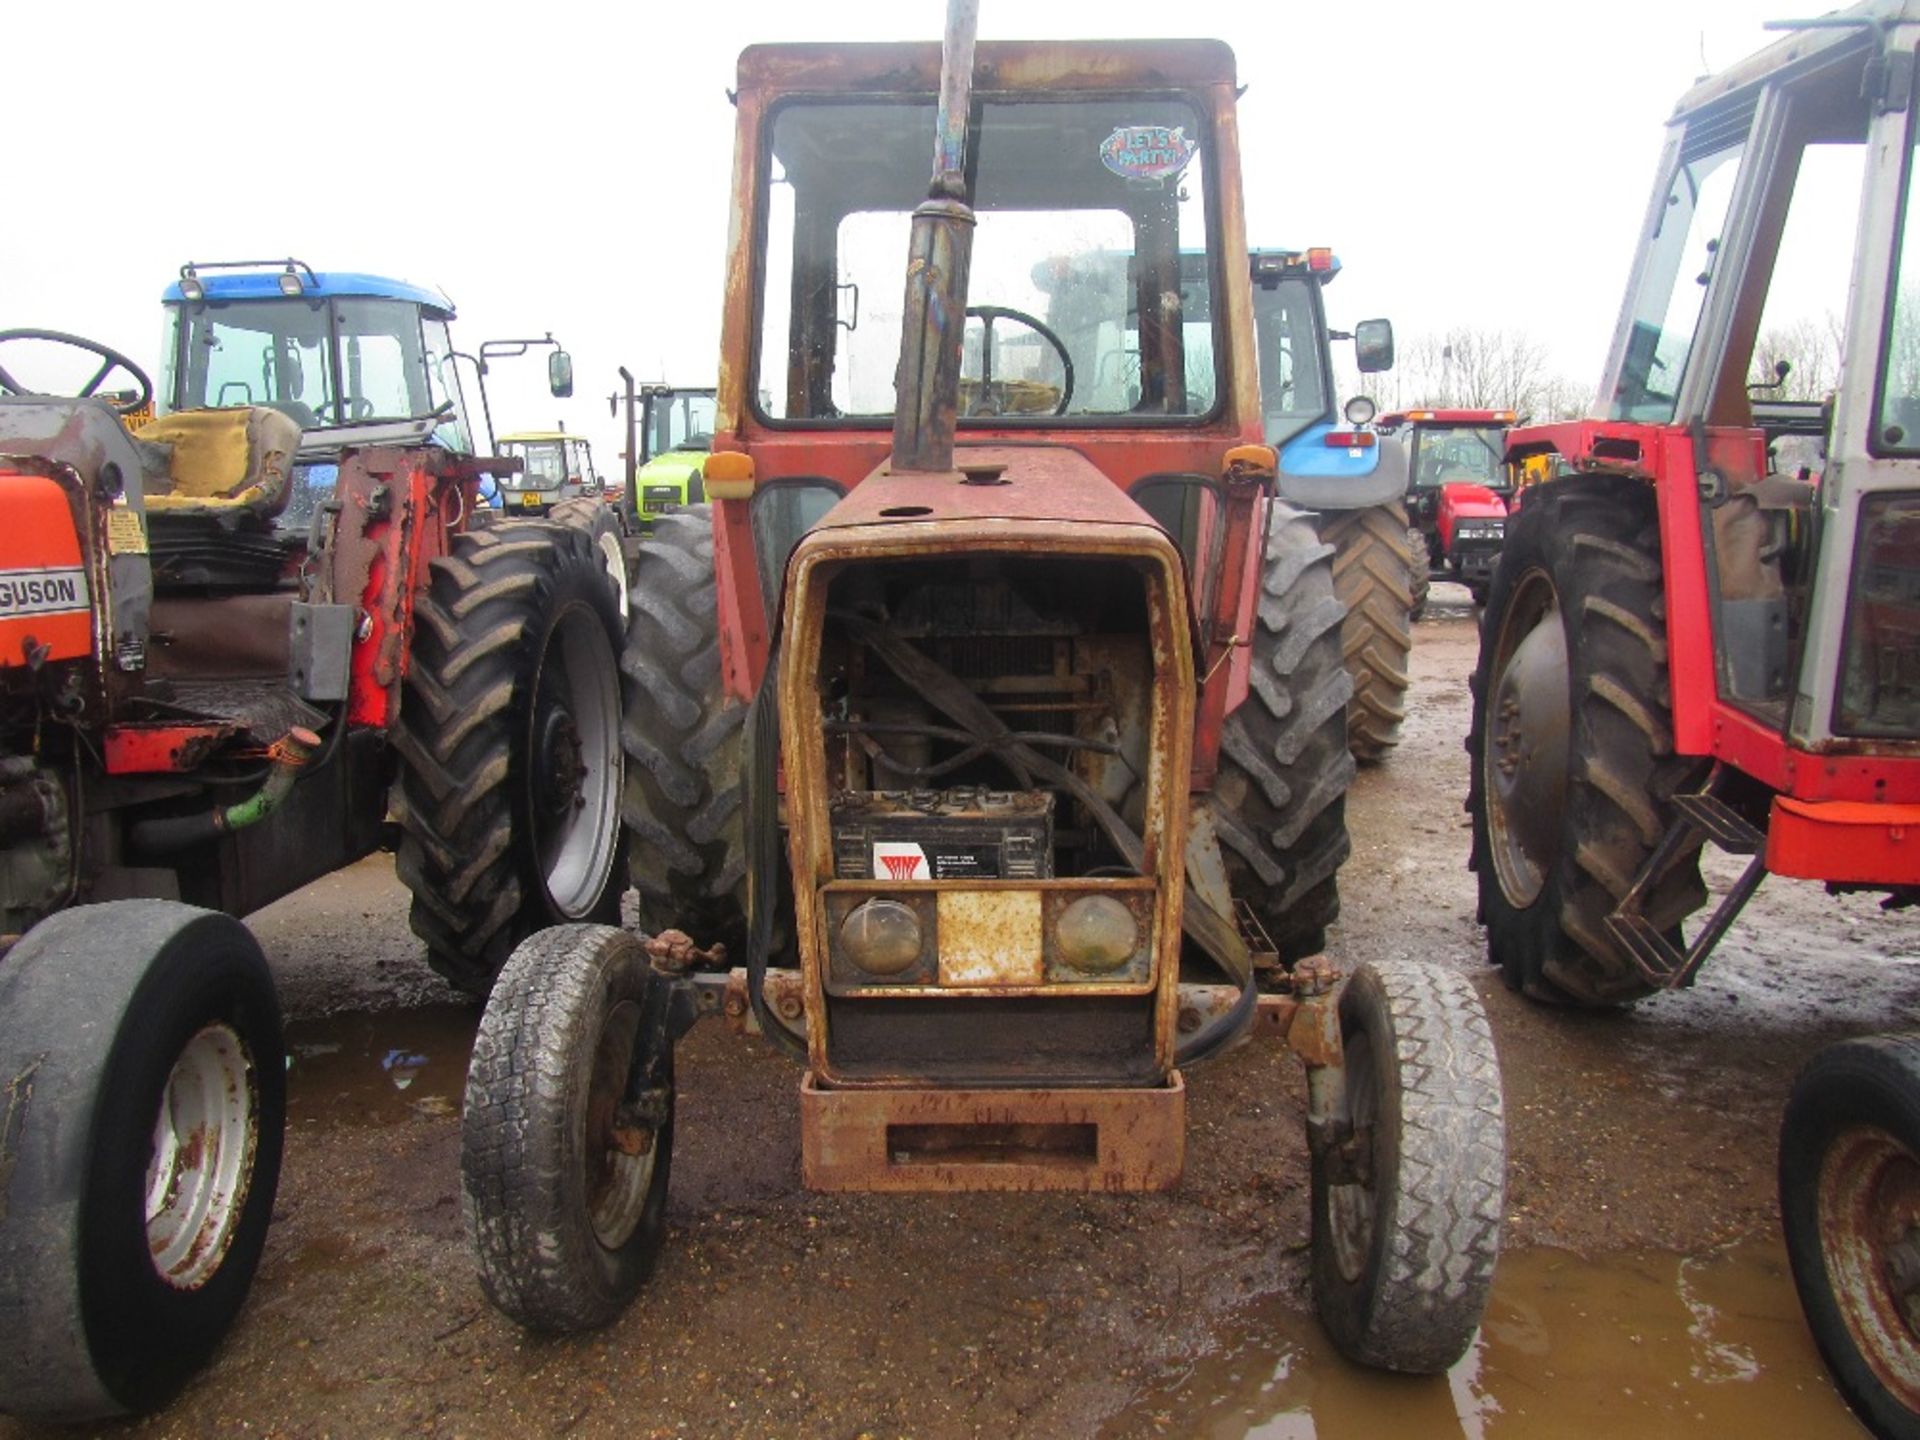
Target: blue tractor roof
x=265, y=285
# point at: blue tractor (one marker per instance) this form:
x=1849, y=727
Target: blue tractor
x=1333, y=464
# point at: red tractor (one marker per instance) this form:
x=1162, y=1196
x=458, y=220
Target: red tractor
x=239, y=648
x=1684, y=643
x=987, y=743
x=1457, y=493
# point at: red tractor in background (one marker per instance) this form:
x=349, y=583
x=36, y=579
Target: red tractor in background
x=239, y=648
x=1684, y=642
x=992, y=716
x=1457, y=492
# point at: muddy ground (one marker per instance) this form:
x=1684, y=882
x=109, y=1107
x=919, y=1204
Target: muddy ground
x=1643, y=1289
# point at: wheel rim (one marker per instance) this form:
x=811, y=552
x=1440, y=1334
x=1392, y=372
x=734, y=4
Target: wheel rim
x=1528, y=721
x=575, y=774
x=614, y=561
x=204, y=1140
x=620, y=1157
x=1350, y=1208
x=1869, y=1223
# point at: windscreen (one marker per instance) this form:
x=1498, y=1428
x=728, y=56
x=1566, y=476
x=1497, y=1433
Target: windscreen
x=1083, y=209
x=1441, y=457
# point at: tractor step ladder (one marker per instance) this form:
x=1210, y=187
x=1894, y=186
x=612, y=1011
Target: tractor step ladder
x=1701, y=813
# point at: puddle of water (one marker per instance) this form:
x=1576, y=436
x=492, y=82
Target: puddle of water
x=1625, y=1346
x=379, y=1069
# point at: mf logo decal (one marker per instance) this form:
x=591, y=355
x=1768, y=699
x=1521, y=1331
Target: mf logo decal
x=899, y=860
x=41, y=592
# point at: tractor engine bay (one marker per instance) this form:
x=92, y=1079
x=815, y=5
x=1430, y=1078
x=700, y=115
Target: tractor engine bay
x=1054, y=655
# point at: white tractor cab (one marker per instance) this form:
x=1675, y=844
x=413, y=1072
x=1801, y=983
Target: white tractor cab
x=554, y=466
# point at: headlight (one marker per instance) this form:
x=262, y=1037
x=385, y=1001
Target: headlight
x=1096, y=934
x=882, y=937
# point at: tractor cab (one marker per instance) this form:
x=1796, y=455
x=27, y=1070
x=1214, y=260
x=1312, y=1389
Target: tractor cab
x=676, y=435
x=1458, y=487
x=554, y=466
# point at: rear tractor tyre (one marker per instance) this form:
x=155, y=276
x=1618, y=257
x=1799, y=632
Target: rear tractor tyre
x=1570, y=755
x=683, y=735
x=144, y=1107
x=1373, y=576
x=601, y=525
x=1420, y=572
x=1405, y=1235
x=1850, y=1207
x=564, y=1191
x=1279, y=800
x=508, y=797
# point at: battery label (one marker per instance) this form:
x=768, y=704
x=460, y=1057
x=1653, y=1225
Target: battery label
x=909, y=860
x=42, y=592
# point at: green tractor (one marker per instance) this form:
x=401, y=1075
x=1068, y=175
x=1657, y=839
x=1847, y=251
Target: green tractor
x=668, y=441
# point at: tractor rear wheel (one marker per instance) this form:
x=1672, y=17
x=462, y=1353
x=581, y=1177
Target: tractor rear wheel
x=1850, y=1207
x=1420, y=569
x=144, y=1109
x=1570, y=755
x=508, y=797
x=686, y=828
x=601, y=525
x=1279, y=801
x=1373, y=576
x=1406, y=1215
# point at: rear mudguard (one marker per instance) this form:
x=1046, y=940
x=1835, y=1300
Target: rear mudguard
x=1317, y=476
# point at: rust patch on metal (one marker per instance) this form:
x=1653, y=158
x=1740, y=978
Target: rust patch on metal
x=941, y=1139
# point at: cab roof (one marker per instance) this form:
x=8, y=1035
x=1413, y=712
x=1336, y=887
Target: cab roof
x=1439, y=418
x=524, y=436
x=328, y=284
x=999, y=65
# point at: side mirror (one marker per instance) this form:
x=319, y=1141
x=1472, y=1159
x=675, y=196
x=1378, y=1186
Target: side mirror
x=1373, y=346
x=560, y=373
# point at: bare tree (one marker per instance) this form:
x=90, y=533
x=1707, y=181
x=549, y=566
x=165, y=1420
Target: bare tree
x=1809, y=348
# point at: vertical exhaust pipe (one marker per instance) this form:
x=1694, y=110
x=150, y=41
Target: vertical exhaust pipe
x=938, y=255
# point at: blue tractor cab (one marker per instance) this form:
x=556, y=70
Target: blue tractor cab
x=352, y=359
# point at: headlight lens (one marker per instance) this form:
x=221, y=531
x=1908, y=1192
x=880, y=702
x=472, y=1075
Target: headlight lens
x=882, y=937
x=1097, y=934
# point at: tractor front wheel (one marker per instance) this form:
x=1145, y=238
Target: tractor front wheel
x=1850, y=1207
x=563, y=1159
x=1407, y=1205
x=1279, y=801
x=1373, y=576
x=144, y=1105
x=1570, y=755
x=508, y=797
x=600, y=523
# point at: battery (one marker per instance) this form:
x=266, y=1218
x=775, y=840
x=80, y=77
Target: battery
x=968, y=833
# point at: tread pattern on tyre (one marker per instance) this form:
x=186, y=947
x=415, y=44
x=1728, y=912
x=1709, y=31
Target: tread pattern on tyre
x=1373, y=577
x=1443, y=1220
x=531, y=1053
x=683, y=736
x=457, y=854
x=1420, y=572
x=1280, y=798
x=1600, y=541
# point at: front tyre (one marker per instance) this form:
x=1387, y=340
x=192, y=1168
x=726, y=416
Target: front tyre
x=563, y=1169
x=1570, y=755
x=508, y=797
x=1850, y=1207
x=144, y=1098
x=1406, y=1224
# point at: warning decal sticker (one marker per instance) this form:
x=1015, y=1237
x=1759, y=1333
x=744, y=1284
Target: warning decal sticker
x=899, y=860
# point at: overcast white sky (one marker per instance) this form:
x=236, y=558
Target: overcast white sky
x=564, y=166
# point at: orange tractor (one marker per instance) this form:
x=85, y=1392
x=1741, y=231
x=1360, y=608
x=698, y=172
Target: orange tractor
x=240, y=648
x=1684, y=642
x=986, y=732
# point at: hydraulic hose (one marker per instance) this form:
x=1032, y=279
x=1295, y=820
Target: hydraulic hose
x=285, y=758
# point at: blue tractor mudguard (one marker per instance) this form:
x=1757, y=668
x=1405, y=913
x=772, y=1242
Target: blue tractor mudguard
x=1318, y=476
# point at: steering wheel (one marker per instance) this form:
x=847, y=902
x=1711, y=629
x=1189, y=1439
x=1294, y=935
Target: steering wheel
x=110, y=360
x=990, y=313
